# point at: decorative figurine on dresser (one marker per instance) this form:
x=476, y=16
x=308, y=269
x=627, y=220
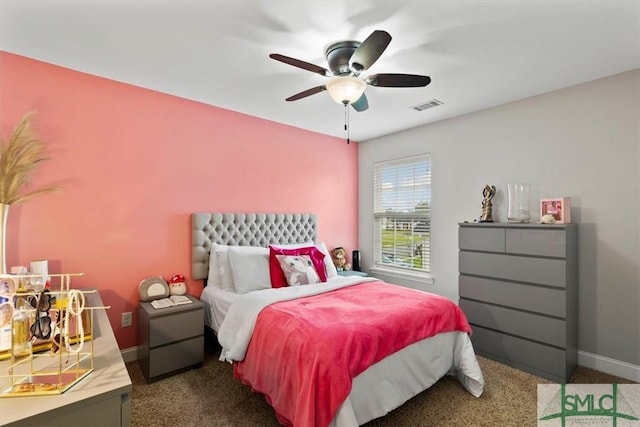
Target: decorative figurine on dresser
x=518, y=286
x=487, y=207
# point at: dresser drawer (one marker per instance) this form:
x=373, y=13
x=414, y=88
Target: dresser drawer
x=176, y=356
x=527, y=325
x=539, y=357
x=176, y=326
x=551, y=272
x=481, y=239
x=526, y=297
x=549, y=243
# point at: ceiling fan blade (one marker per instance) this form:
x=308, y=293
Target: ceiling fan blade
x=306, y=93
x=398, y=80
x=301, y=64
x=361, y=104
x=369, y=51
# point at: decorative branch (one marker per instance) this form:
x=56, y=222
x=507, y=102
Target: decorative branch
x=19, y=159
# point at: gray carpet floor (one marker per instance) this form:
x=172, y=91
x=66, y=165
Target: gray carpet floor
x=209, y=396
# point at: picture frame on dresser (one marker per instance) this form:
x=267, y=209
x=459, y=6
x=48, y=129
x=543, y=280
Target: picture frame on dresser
x=559, y=207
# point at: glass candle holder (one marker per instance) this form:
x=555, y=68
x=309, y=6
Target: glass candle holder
x=20, y=343
x=519, y=211
x=40, y=275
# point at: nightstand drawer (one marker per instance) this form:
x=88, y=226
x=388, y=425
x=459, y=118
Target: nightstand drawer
x=176, y=356
x=176, y=327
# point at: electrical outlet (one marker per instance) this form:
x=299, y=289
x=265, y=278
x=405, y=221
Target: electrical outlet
x=127, y=319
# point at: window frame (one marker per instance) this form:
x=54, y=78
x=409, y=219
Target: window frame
x=380, y=212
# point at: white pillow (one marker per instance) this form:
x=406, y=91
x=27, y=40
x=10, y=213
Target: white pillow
x=219, y=268
x=213, y=278
x=328, y=261
x=249, y=268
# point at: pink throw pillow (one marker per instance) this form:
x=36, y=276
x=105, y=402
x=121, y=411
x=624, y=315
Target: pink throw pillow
x=278, y=279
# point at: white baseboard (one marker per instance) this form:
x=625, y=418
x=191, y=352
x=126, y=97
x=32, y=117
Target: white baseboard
x=129, y=354
x=609, y=366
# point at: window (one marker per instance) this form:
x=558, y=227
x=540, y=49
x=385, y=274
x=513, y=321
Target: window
x=402, y=203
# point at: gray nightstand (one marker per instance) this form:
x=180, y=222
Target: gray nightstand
x=352, y=273
x=171, y=339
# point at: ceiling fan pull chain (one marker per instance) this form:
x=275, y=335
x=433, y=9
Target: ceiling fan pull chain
x=346, y=120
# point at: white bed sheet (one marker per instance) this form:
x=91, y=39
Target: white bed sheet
x=397, y=378
x=389, y=383
x=216, y=305
x=217, y=302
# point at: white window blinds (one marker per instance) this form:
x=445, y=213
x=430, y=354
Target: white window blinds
x=402, y=203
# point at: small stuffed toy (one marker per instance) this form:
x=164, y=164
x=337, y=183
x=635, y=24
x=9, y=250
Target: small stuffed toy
x=177, y=285
x=339, y=257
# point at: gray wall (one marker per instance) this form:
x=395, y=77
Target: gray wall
x=582, y=142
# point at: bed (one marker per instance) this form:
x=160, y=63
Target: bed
x=235, y=315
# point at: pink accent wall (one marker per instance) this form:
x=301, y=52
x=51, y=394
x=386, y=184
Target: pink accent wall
x=136, y=163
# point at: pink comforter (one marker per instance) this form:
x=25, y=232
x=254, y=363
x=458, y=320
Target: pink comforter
x=304, y=353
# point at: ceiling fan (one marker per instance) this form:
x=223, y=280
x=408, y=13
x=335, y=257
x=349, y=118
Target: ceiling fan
x=347, y=60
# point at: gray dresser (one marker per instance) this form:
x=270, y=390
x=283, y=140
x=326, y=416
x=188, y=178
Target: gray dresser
x=518, y=287
x=171, y=339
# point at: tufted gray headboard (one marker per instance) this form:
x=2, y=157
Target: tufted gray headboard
x=245, y=229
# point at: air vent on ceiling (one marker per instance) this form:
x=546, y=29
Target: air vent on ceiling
x=426, y=105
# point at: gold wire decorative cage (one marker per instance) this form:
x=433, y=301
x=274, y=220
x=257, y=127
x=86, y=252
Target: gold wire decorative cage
x=49, y=366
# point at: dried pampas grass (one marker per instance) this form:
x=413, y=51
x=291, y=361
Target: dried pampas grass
x=19, y=160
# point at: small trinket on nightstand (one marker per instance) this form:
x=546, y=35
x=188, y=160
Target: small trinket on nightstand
x=177, y=285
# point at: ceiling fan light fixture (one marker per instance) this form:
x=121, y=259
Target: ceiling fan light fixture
x=346, y=90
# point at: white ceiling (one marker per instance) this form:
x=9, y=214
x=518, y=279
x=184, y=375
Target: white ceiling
x=478, y=53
